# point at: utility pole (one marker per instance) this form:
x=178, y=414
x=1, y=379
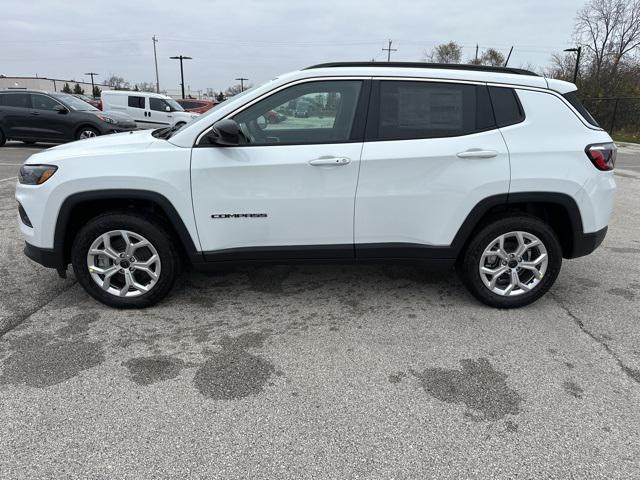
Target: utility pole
x=242, y=80
x=578, y=50
x=93, y=87
x=389, y=50
x=181, y=58
x=155, y=57
x=476, y=53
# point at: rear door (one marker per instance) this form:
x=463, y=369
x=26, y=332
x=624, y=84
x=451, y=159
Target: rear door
x=432, y=152
x=15, y=110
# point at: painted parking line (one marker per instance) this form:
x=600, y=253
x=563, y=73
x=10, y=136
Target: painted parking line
x=7, y=179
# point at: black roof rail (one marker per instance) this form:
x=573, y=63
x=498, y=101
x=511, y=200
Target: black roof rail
x=443, y=66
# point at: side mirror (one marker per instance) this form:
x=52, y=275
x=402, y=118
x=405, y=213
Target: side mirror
x=60, y=109
x=167, y=108
x=225, y=133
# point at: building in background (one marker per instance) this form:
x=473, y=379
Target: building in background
x=43, y=83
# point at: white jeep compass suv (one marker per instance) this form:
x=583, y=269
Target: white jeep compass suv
x=496, y=170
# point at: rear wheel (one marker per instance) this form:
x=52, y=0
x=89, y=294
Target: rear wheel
x=124, y=260
x=511, y=262
x=87, y=132
x=3, y=139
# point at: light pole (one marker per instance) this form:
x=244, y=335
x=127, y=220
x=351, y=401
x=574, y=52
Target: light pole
x=578, y=50
x=181, y=58
x=241, y=80
x=93, y=87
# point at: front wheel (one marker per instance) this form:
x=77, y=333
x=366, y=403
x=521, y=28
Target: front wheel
x=124, y=260
x=87, y=132
x=511, y=262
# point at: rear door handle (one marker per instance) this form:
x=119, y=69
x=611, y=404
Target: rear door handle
x=35, y=113
x=477, y=153
x=335, y=161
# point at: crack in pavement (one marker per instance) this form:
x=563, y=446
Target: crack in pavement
x=11, y=322
x=632, y=373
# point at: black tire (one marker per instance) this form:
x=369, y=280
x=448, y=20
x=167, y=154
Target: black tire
x=469, y=264
x=3, y=139
x=151, y=229
x=92, y=132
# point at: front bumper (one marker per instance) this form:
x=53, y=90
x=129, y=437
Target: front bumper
x=47, y=257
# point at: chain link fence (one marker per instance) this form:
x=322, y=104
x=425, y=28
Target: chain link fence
x=617, y=115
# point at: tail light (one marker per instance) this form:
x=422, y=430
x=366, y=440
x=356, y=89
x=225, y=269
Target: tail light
x=602, y=155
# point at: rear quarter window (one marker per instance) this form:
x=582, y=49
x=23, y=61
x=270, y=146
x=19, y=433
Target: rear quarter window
x=506, y=106
x=18, y=100
x=572, y=98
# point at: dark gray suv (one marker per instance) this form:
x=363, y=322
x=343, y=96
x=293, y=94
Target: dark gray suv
x=35, y=116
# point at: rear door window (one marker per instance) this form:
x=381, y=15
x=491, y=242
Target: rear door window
x=16, y=100
x=506, y=106
x=136, y=102
x=413, y=110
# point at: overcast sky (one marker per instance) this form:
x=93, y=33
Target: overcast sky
x=260, y=39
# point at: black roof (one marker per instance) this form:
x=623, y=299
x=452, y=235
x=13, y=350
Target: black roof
x=443, y=66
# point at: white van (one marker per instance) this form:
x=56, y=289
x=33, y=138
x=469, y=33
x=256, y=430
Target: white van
x=149, y=110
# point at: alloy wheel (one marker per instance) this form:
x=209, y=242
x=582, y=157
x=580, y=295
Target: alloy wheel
x=513, y=263
x=123, y=263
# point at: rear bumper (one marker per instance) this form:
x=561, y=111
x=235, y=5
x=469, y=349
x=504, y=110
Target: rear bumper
x=585, y=243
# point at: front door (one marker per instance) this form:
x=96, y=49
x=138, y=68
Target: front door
x=288, y=189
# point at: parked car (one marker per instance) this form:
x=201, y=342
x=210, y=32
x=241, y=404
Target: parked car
x=38, y=116
x=274, y=117
x=303, y=110
x=149, y=110
x=497, y=171
x=196, y=106
x=96, y=102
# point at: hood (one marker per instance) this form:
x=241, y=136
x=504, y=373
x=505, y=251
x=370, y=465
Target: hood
x=120, y=117
x=96, y=146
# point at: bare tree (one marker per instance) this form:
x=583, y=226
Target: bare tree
x=609, y=30
x=445, y=53
x=117, y=83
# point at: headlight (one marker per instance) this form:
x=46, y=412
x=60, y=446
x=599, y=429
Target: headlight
x=36, y=174
x=107, y=119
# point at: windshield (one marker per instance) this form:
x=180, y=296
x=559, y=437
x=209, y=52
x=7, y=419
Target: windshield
x=75, y=103
x=174, y=105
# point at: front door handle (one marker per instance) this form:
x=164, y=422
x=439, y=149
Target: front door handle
x=477, y=153
x=35, y=113
x=335, y=161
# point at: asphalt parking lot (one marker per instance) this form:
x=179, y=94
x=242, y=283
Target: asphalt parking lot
x=323, y=371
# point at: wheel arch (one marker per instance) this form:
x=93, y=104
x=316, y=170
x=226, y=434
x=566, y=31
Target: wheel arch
x=85, y=124
x=78, y=208
x=559, y=210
